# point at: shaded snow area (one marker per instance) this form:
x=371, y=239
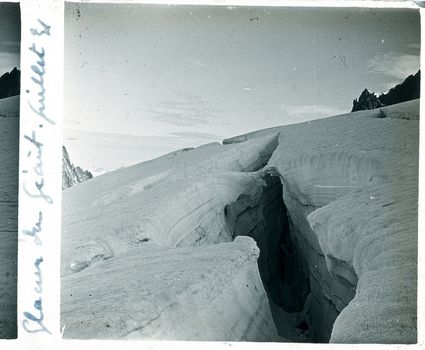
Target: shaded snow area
x=303, y=233
x=9, y=160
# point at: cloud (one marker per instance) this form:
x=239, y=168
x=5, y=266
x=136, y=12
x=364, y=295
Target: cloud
x=197, y=135
x=96, y=171
x=8, y=61
x=186, y=111
x=110, y=151
x=10, y=46
x=388, y=86
x=198, y=63
x=394, y=65
x=415, y=46
x=70, y=123
x=313, y=110
x=187, y=95
x=175, y=118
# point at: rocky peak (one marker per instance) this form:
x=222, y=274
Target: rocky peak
x=367, y=100
x=71, y=175
x=10, y=83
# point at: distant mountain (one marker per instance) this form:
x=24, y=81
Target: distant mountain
x=408, y=90
x=72, y=175
x=10, y=83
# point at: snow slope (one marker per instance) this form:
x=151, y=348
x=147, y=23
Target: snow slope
x=9, y=160
x=331, y=203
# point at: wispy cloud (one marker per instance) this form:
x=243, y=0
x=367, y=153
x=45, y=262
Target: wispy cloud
x=187, y=110
x=10, y=46
x=388, y=86
x=313, y=110
x=197, y=135
x=198, y=63
x=70, y=123
x=414, y=46
x=8, y=61
x=96, y=171
x=176, y=118
x=394, y=65
x=111, y=151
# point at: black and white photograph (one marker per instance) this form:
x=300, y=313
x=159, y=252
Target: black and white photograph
x=10, y=29
x=238, y=173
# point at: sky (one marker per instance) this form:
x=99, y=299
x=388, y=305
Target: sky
x=144, y=80
x=10, y=36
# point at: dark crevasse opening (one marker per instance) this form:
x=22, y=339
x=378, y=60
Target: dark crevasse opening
x=262, y=215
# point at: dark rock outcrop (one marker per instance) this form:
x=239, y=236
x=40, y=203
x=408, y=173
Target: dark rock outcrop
x=72, y=175
x=408, y=90
x=10, y=83
x=367, y=100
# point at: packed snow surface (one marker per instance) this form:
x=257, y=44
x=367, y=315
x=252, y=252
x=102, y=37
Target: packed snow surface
x=172, y=294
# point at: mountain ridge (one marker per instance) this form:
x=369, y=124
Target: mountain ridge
x=408, y=90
